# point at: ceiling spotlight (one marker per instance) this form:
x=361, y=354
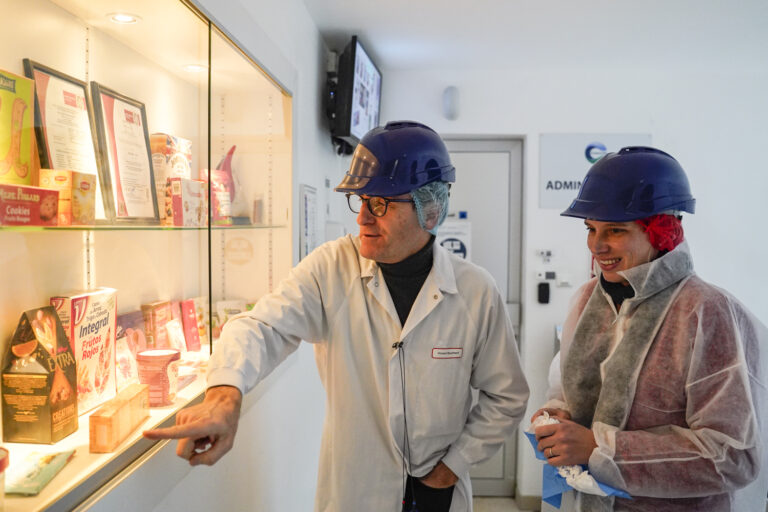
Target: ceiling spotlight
x=123, y=18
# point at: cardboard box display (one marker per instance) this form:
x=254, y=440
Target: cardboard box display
x=189, y=199
x=189, y=323
x=156, y=315
x=39, y=381
x=61, y=180
x=18, y=150
x=176, y=335
x=28, y=206
x=114, y=421
x=171, y=158
x=89, y=321
x=77, y=195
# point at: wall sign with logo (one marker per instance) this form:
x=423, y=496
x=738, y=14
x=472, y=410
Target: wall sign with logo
x=456, y=236
x=565, y=159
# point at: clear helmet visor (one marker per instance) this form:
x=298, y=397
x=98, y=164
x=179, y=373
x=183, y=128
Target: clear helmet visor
x=364, y=166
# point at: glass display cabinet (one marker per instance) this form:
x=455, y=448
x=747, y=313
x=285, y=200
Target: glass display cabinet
x=145, y=188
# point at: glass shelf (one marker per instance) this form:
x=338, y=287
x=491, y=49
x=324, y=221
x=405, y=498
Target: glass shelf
x=133, y=227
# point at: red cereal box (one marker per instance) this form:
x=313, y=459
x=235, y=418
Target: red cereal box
x=89, y=322
x=28, y=206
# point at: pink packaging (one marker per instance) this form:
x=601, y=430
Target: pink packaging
x=189, y=321
x=89, y=319
x=159, y=369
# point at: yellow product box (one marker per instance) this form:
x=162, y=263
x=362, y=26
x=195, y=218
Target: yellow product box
x=55, y=179
x=171, y=158
x=77, y=195
x=114, y=421
x=18, y=159
x=83, y=198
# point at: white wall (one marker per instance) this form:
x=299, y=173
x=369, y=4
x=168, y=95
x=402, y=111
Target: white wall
x=711, y=118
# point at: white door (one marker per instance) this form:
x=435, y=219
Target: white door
x=489, y=189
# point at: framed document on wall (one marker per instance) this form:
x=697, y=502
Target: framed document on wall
x=63, y=124
x=125, y=157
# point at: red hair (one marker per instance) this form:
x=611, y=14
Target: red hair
x=665, y=232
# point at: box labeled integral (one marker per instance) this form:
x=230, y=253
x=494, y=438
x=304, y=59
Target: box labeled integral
x=18, y=152
x=28, y=206
x=156, y=315
x=171, y=158
x=189, y=200
x=89, y=321
x=189, y=322
x=39, y=381
x=111, y=423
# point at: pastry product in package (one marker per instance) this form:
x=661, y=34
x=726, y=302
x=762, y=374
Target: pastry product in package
x=89, y=321
x=39, y=386
x=18, y=158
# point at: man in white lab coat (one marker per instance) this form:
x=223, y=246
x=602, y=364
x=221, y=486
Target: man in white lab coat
x=402, y=330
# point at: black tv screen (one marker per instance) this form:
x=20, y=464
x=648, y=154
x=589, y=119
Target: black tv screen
x=357, y=95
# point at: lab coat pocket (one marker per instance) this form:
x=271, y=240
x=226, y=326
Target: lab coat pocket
x=444, y=395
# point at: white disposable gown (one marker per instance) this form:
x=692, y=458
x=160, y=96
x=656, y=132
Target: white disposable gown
x=456, y=337
x=674, y=388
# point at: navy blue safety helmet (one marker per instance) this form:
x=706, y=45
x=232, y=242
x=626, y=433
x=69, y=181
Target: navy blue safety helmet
x=396, y=159
x=633, y=184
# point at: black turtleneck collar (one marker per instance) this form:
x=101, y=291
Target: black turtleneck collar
x=618, y=291
x=405, y=278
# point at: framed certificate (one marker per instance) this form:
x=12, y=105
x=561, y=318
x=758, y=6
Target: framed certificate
x=125, y=157
x=63, y=124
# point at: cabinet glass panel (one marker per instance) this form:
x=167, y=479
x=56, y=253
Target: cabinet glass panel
x=251, y=184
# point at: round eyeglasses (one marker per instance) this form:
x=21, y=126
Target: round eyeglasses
x=377, y=205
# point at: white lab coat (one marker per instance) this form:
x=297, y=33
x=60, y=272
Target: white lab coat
x=457, y=336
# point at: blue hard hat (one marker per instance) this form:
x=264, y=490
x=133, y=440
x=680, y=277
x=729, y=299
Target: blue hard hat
x=633, y=184
x=396, y=159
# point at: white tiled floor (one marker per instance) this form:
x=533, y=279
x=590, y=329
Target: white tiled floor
x=494, y=505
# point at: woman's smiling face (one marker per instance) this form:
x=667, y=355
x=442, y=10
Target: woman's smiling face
x=618, y=246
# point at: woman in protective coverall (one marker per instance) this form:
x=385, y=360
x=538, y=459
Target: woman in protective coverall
x=663, y=376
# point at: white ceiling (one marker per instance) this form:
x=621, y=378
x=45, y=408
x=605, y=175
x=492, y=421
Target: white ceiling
x=493, y=34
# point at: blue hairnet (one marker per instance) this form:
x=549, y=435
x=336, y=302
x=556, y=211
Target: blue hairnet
x=431, y=203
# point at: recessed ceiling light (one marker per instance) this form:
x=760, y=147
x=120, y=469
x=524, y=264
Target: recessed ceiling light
x=123, y=18
x=195, y=68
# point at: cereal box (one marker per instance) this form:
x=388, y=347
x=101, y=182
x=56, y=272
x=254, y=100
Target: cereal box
x=28, y=206
x=89, y=321
x=189, y=322
x=189, y=199
x=18, y=159
x=39, y=385
x=156, y=315
x=171, y=158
